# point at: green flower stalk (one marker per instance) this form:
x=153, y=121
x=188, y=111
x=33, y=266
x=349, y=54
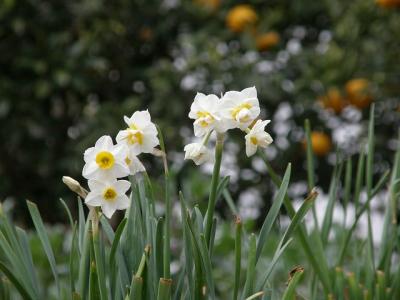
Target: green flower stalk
x=214, y=184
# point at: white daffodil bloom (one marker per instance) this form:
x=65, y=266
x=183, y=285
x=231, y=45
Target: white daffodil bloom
x=198, y=153
x=141, y=134
x=134, y=164
x=240, y=109
x=105, y=160
x=205, y=112
x=109, y=194
x=257, y=137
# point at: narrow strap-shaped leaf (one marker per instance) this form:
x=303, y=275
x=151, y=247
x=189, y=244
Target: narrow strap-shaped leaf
x=299, y=216
x=37, y=221
x=81, y=225
x=164, y=289
x=238, y=256
x=290, y=293
x=159, y=247
x=333, y=188
x=84, y=262
x=72, y=258
x=251, y=268
x=222, y=185
x=273, y=212
x=278, y=252
x=116, y=240
x=302, y=233
x=18, y=285
x=70, y=219
x=99, y=259
x=188, y=250
x=136, y=288
x=229, y=201
x=27, y=255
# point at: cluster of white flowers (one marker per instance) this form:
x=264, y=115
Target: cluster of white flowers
x=106, y=163
x=233, y=110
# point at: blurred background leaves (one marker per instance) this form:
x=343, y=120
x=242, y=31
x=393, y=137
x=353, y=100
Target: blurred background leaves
x=70, y=71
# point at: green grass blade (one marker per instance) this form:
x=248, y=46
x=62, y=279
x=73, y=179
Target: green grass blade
x=333, y=189
x=278, y=253
x=37, y=221
x=230, y=202
x=290, y=293
x=164, y=289
x=187, y=247
x=81, y=226
x=302, y=234
x=238, y=256
x=17, y=284
x=68, y=211
x=117, y=237
x=99, y=259
x=222, y=185
x=273, y=212
x=310, y=165
x=248, y=289
x=299, y=216
x=72, y=258
x=27, y=255
x=159, y=247
x=214, y=184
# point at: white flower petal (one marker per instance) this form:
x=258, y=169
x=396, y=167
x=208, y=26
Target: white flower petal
x=108, y=209
x=104, y=143
x=122, y=186
x=89, y=170
x=94, y=199
x=122, y=202
x=119, y=170
x=96, y=185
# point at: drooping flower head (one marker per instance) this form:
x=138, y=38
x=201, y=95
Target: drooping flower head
x=198, y=153
x=205, y=112
x=134, y=164
x=240, y=109
x=110, y=194
x=105, y=160
x=141, y=134
x=257, y=137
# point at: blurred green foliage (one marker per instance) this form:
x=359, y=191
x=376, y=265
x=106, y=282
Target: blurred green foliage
x=70, y=71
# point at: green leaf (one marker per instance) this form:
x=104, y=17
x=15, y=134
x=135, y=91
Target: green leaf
x=238, y=256
x=273, y=212
x=290, y=293
x=248, y=289
x=37, y=221
x=18, y=285
x=71, y=221
x=116, y=240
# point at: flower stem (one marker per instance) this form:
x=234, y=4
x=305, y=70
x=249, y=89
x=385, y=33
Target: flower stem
x=238, y=255
x=214, y=184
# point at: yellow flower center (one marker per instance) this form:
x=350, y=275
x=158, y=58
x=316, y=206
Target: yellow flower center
x=206, y=118
x=110, y=194
x=128, y=161
x=105, y=160
x=134, y=137
x=254, y=140
x=238, y=109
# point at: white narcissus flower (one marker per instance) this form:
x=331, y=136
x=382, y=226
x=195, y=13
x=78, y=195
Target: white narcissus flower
x=141, y=134
x=198, y=153
x=240, y=109
x=105, y=160
x=134, y=164
x=257, y=137
x=205, y=112
x=109, y=194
